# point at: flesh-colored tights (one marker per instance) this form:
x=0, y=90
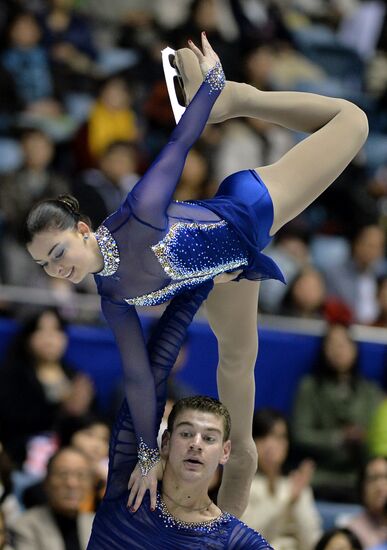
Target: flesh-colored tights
x=338, y=130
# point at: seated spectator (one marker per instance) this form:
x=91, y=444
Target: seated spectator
x=333, y=407
x=194, y=182
x=9, y=505
x=100, y=191
x=28, y=64
x=35, y=180
x=112, y=118
x=68, y=39
x=59, y=524
x=339, y=539
x=370, y=525
x=381, y=320
x=3, y=533
x=34, y=378
x=281, y=507
x=355, y=281
x=291, y=251
x=90, y=435
x=377, y=433
x=306, y=296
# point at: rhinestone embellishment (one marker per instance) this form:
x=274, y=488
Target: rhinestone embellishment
x=206, y=526
x=215, y=78
x=169, y=252
x=109, y=251
x=147, y=457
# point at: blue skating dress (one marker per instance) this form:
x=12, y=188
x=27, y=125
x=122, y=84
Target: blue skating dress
x=115, y=527
x=155, y=248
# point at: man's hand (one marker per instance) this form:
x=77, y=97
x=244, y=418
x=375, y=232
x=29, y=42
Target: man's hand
x=139, y=484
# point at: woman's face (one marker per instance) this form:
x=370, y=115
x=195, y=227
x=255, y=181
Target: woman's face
x=48, y=342
x=273, y=449
x=339, y=542
x=340, y=350
x=63, y=254
x=375, y=486
x=309, y=291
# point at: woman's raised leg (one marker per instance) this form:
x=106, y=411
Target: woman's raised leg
x=338, y=130
x=232, y=314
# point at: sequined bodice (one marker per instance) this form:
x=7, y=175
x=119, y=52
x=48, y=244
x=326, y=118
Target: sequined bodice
x=189, y=253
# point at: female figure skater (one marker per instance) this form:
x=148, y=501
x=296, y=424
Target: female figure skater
x=152, y=248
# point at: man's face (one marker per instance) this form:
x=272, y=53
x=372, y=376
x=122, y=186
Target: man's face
x=69, y=482
x=195, y=447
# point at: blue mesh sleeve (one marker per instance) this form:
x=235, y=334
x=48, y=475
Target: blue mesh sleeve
x=146, y=398
x=242, y=537
x=153, y=193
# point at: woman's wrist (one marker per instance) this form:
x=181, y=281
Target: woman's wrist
x=215, y=77
x=148, y=457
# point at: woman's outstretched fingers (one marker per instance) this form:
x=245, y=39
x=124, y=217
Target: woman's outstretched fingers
x=196, y=51
x=207, y=58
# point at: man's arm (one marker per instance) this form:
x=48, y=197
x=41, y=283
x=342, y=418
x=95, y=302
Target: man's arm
x=163, y=349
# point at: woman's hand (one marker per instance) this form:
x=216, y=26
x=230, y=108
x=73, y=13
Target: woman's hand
x=207, y=58
x=139, y=485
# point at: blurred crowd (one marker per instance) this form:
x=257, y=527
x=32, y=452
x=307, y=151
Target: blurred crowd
x=84, y=109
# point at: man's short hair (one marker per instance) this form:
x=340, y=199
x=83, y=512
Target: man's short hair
x=204, y=404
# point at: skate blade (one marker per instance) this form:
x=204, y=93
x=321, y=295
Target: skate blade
x=172, y=78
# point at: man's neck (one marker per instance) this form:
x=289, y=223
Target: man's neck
x=188, y=501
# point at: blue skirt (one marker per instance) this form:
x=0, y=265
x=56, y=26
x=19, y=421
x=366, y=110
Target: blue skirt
x=243, y=200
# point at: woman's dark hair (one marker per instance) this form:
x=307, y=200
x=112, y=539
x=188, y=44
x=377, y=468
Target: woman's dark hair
x=70, y=425
x=61, y=213
x=19, y=351
x=328, y=536
x=323, y=369
x=264, y=421
x=362, y=477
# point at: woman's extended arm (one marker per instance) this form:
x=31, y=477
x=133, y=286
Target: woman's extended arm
x=132, y=422
x=151, y=196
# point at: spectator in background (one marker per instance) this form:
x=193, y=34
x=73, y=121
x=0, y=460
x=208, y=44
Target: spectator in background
x=355, y=281
x=333, y=407
x=112, y=117
x=306, y=296
x=194, y=182
x=370, y=525
x=339, y=539
x=28, y=64
x=100, y=191
x=3, y=533
x=59, y=524
x=90, y=435
x=377, y=434
x=291, y=252
x=36, y=389
x=68, y=38
x=381, y=320
x=34, y=180
x=281, y=507
x=8, y=502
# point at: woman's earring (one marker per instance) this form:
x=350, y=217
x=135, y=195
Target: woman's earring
x=85, y=237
